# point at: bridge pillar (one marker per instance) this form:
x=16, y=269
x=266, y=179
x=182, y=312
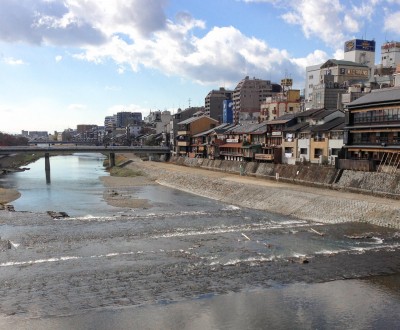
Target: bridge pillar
x=47, y=161
x=47, y=166
x=112, y=159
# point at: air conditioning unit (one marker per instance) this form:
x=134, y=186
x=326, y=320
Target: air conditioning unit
x=302, y=159
x=332, y=160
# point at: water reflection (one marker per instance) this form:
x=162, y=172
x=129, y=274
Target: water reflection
x=352, y=304
x=72, y=186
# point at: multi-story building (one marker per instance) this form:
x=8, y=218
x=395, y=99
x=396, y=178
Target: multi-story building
x=309, y=139
x=312, y=79
x=187, y=129
x=282, y=103
x=110, y=123
x=248, y=96
x=124, y=118
x=172, y=127
x=82, y=129
x=214, y=103
x=390, y=54
x=372, y=132
x=360, y=51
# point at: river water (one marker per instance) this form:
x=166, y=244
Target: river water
x=186, y=262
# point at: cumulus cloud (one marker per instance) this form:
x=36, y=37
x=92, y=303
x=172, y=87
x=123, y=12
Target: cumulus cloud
x=392, y=23
x=77, y=23
x=136, y=34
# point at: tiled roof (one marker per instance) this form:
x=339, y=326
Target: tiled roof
x=296, y=127
x=385, y=95
x=328, y=125
x=192, y=119
x=220, y=127
x=323, y=114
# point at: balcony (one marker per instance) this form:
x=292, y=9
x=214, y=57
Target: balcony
x=183, y=143
x=183, y=133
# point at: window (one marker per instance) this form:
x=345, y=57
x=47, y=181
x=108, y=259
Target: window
x=318, y=152
x=303, y=151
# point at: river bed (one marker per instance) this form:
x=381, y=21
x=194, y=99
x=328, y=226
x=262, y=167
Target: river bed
x=193, y=263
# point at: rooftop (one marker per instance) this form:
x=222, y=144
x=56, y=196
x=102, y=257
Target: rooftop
x=385, y=95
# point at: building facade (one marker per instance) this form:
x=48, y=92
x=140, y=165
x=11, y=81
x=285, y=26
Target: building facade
x=214, y=103
x=248, y=96
x=372, y=131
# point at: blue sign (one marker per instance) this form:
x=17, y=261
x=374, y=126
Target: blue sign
x=227, y=111
x=359, y=44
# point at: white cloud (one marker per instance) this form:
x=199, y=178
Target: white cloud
x=77, y=107
x=392, y=23
x=317, y=57
x=13, y=61
x=58, y=58
x=318, y=18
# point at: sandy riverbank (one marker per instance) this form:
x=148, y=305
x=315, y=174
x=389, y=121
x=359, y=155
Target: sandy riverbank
x=8, y=195
x=309, y=203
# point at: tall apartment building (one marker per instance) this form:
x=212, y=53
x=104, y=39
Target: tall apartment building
x=110, y=123
x=125, y=118
x=214, y=103
x=248, y=96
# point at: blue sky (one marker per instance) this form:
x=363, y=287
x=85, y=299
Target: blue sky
x=69, y=62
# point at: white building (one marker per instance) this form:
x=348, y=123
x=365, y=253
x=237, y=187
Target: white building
x=390, y=54
x=360, y=51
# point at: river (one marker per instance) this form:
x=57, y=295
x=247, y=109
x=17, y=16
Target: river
x=186, y=262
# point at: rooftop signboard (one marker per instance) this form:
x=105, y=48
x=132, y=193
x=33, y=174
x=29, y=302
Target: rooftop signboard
x=359, y=44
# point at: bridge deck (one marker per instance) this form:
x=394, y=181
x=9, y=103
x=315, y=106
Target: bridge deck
x=85, y=149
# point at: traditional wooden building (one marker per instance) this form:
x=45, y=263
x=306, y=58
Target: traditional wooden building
x=372, y=131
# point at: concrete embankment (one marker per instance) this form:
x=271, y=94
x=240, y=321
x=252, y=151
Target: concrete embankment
x=299, y=200
x=371, y=183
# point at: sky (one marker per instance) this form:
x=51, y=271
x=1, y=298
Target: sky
x=70, y=62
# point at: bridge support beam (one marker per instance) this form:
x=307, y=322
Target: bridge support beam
x=112, y=159
x=47, y=166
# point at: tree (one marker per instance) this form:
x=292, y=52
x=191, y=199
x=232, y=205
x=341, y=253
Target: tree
x=12, y=140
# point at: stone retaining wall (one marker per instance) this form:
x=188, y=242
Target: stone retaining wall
x=303, y=205
x=379, y=184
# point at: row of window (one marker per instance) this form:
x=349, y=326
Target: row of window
x=375, y=116
x=376, y=138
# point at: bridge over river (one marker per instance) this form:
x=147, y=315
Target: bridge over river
x=49, y=149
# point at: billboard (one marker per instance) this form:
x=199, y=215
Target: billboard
x=359, y=44
x=227, y=111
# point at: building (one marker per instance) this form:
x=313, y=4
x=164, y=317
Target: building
x=248, y=96
x=110, y=123
x=390, y=54
x=187, y=129
x=172, y=127
x=125, y=118
x=312, y=79
x=308, y=139
x=372, y=131
x=214, y=103
x=280, y=104
x=360, y=51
